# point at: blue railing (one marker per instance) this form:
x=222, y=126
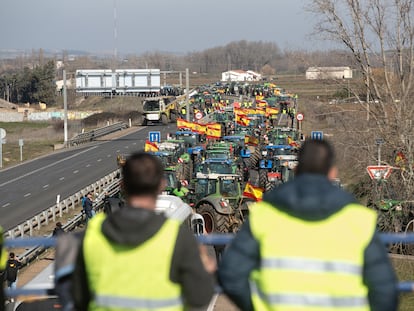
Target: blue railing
x=212, y=239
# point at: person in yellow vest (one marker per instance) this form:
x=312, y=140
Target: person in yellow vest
x=136, y=259
x=309, y=246
x=3, y=262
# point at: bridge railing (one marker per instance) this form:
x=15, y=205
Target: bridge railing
x=96, y=133
x=212, y=239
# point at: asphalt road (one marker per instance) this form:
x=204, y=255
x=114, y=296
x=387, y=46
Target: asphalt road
x=30, y=188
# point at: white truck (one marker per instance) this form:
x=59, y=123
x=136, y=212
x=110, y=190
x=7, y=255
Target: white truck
x=118, y=82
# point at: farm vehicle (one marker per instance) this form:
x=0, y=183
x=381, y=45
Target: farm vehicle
x=163, y=109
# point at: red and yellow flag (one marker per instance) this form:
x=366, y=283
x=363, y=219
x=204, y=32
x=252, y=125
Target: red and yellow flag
x=239, y=111
x=213, y=130
x=199, y=128
x=251, y=140
x=253, y=192
x=292, y=143
x=184, y=124
x=242, y=120
x=261, y=103
x=271, y=111
x=150, y=146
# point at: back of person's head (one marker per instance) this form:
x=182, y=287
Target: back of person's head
x=315, y=157
x=142, y=175
x=11, y=255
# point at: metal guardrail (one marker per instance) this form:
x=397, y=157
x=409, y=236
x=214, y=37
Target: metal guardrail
x=92, y=135
x=50, y=214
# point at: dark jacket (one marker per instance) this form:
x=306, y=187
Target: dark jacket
x=134, y=226
x=12, y=267
x=312, y=198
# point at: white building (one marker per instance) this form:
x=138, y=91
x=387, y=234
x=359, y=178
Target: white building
x=320, y=73
x=240, y=75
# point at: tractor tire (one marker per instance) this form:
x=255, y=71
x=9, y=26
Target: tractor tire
x=187, y=171
x=254, y=159
x=164, y=119
x=173, y=117
x=144, y=121
x=263, y=179
x=213, y=221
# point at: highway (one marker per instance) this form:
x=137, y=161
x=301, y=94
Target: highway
x=30, y=188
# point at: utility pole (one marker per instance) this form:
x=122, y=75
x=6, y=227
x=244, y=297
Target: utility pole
x=65, y=109
x=379, y=142
x=187, y=93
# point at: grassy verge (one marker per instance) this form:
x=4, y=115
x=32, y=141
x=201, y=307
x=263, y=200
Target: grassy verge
x=405, y=272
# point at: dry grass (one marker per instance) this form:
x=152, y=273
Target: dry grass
x=405, y=272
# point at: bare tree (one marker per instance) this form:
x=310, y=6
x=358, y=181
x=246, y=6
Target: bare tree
x=379, y=35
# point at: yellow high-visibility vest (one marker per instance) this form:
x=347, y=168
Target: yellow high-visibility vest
x=311, y=265
x=122, y=277
x=3, y=253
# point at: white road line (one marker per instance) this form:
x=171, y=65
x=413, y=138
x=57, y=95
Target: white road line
x=99, y=160
x=45, y=167
x=5, y=205
x=126, y=147
x=109, y=155
x=134, y=143
x=27, y=194
x=118, y=150
x=45, y=186
x=75, y=172
x=61, y=178
x=88, y=165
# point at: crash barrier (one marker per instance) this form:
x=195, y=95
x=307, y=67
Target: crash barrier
x=108, y=183
x=92, y=135
x=212, y=239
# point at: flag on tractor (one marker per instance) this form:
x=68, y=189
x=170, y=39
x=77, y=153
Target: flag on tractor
x=213, y=130
x=199, y=128
x=150, y=146
x=251, y=140
x=271, y=111
x=253, y=192
x=242, y=120
x=261, y=103
x=184, y=124
x=292, y=143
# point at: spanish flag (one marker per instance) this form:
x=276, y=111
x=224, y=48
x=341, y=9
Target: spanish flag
x=242, y=120
x=213, y=130
x=183, y=124
x=292, y=143
x=255, y=193
x=251, y=140
x=150, y=146
x=271, y=111
x=261, y=103
x=239, y=111
x=199, y=128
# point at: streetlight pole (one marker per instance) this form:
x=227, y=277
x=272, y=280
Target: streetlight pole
x=379, y=142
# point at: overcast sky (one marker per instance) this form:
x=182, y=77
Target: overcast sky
x=149, y=25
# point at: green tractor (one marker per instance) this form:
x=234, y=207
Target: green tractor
x=220, y=202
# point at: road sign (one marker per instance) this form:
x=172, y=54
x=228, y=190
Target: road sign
x=317, y=135
x=21, y=143
x=2, y=133
x=198, y=115
x=154, y=136
x=299, y=117
x=379, y=172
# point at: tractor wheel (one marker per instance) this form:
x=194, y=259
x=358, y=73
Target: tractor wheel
x=213, y=221
x=164, y=119
x=144, y=121
x=263, y=178
x=173, y=117
x=187, y=171
x=255, y=158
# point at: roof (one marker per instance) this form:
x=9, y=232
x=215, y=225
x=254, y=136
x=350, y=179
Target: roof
x=327, y=69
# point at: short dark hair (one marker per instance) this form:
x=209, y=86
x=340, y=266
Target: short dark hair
x=315, y=157
x=142, y=174
x=11, y=255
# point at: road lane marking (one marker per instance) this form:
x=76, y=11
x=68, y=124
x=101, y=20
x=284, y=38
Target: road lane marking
x=88, y=165
x=134, y=143
x=27, y=194
x=61, y=178
x=126, y=147
x=109, y=156
x=118, y=150
x=99, y=160
x=45, y=167
x=75, y=172
x=5, y=205
x=212, y=303
x=45, y=186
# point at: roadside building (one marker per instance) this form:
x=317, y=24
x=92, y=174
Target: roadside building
x=320, y=73
x=240, y=75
